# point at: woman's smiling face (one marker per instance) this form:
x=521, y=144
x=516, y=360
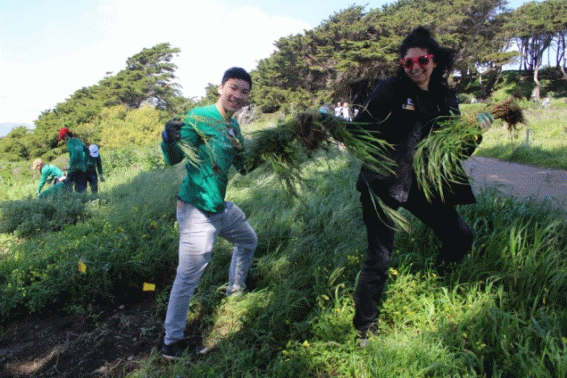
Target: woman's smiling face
x=418, y=73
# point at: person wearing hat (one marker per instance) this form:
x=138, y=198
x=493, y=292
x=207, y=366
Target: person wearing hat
x=49, y=173
x=76, y=172
x=94, y=165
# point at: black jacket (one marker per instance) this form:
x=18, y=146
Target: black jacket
x=404, y=114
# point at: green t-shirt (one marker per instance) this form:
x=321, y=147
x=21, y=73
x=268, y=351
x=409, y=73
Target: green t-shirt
x=77, y=155
x=94, y=164
x=217, y=144
x=49, y=172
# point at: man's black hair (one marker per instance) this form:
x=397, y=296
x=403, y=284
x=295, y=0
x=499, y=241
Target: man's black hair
x=236, y=73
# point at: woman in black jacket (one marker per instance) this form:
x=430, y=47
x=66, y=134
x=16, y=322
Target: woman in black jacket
x=405, y=108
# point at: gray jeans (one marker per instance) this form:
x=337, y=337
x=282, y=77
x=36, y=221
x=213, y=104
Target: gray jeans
x=197, y=234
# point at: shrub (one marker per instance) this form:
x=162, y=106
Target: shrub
x=29, y=216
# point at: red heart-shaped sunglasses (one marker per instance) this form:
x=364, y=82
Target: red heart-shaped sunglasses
x=421, y=60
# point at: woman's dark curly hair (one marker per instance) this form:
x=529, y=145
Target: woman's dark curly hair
x=421, y=37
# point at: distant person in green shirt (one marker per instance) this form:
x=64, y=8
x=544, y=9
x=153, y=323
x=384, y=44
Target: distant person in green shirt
x=76, y=172
x=94, y=165
x=202, y=212
x=49, y=174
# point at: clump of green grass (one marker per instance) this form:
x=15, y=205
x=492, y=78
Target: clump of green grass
x=438, y=157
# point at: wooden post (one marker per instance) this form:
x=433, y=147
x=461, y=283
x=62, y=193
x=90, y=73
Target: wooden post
x=527, y=137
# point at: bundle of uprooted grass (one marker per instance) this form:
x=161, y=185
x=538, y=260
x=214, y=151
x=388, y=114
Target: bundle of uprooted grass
x=189, y=148
x=509, y=112
x=316, y=130
x=275, y=148
x=286, y=146
x=437, y=159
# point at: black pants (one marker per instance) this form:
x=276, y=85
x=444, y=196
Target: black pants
x=92, y=180
x=447, y=224
x=77, y=180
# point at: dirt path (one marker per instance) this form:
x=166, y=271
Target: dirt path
x=522, y=181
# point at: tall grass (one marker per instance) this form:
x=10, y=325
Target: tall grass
x=502, y=312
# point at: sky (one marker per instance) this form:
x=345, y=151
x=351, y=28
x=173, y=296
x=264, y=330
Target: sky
x=50, y=49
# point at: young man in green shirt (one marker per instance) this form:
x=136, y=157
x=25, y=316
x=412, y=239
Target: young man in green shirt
x=76, y=173
x=202, y=212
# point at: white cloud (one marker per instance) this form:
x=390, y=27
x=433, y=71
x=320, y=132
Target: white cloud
x=211, y=35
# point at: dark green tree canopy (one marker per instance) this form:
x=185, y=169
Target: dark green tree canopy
x=343, y=57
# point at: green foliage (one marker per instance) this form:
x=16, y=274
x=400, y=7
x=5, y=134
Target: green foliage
x=29, y=216
x=499, y=313
x=148, y=78
x=138, y=127
x=343, y=57
x=41, y=273
x=13, y=146
x=146, y=82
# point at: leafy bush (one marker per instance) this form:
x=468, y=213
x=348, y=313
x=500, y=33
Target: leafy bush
x=29, y=216
x=127, y=239
x=137, y=127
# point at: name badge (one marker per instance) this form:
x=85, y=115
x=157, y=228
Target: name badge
x=408, y=105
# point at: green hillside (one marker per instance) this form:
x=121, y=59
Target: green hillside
x=502, y=312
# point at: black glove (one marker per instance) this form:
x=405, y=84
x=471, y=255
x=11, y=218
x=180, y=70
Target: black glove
x=171, y=132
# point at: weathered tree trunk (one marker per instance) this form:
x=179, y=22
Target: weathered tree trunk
x=563, y=73
x=492, y=77
x=537, y=89
x=562, y=64
x=562, y=55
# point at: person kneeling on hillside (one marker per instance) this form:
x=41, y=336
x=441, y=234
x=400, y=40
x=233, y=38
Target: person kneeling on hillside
x=202, y=212
x=49, y=174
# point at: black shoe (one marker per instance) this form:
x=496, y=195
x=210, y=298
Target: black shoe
x=179, y=348
x=174, y=351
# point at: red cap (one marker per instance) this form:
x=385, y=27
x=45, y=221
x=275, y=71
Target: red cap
x=62, y=132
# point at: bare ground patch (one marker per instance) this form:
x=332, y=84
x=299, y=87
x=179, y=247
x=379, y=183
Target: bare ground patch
x=107, y=342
